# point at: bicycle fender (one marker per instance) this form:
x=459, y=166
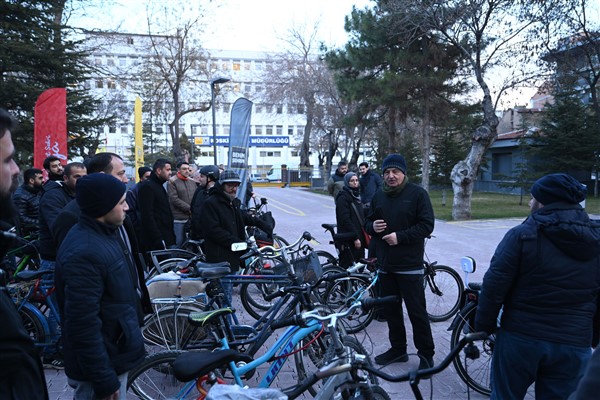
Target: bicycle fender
x=461, y=315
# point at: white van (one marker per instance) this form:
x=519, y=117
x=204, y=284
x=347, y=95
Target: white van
x=274, y=174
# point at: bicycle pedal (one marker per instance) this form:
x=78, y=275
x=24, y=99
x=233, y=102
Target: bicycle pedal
x=471, y=351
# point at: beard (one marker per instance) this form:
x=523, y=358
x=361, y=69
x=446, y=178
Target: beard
x=54, y=177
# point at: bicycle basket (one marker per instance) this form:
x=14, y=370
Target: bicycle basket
x=308, y=268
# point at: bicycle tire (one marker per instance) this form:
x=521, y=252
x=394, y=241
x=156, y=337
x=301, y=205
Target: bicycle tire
x=165, y=265
x=377, y=393
x=341, y=293
x=279, y=241
x=166, y=330
x=326, y=259
x=33, y=325
x=444, y=304
x=380, y=393
x=153, y=379
x=320, y=352
x=475, y=373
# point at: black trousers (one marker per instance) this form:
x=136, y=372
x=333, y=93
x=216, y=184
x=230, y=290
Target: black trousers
x=410, y=289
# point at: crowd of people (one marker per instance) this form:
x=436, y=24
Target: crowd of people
x=543, y=280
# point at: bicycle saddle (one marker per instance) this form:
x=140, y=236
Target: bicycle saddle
x=212, y=270
x=202, y=318
x=30, y=275
x=193, y=364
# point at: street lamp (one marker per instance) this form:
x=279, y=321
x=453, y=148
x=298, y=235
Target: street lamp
x=213, y=82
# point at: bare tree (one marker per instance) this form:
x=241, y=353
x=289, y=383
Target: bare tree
x=496, y=37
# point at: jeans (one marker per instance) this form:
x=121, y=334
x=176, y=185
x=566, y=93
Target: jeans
x=85, y=391
x=51, y=350
x=519, y=360
x=409, y=287
x=179, y=229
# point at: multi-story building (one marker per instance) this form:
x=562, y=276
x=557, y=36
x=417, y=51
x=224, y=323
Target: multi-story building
x=120, y=74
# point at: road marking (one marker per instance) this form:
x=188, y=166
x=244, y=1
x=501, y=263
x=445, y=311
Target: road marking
x=285, y=208
x=482, y=224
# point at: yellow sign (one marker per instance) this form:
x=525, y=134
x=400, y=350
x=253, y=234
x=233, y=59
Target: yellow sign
x=198, y=140
x=139, y=146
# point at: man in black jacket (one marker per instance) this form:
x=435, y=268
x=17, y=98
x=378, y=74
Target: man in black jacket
x=111, y=164
x=401, y=218
x=27, y=201
x=545, y=276
x=209, y=175
x=22, y=375
x=370, y=183
x=97, y=293
x=156, y=218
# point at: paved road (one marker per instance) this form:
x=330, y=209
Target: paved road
x=297, y=210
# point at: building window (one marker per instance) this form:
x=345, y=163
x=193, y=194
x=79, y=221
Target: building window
x=258, y=108
x=236, y=87
x=195, y=129
x=259, y=88
x=122, y=61
x=248, y=88
x=269, y=108
x=277, y=153
x=300, y=130
x=269, y=129
x=99, y=84
x=290, y=130
x=112, y=129
x=129, y=40
x=247, y=65
x=204, y=130
x=111, y=61
x=124, y=129
x=123, y=84
x=279, y=130
x=502, y=166
x=300, y=108
x=237, y=65
x=225, y=65
x=226, y=130
x=279, y=109
x=270, y=154
x=111, y=84
x=226, y=107
x=98, y=60
x=259, y=65
x=259, y=129
x=295, y=153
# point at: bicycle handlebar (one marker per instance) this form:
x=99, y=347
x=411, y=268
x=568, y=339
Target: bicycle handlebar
x=421, y=373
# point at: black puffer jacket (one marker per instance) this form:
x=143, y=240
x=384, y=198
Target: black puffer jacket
x=55, y=195
x=98, y=303
x=346, y=217
x=546, y=273
x=410, y=215
x=27, y=202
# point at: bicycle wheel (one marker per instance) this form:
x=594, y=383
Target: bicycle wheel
x=279, y=241
x=166, y=265
x=379, y=393
x=475, y=373
x=326, y=259
x=153, y=379
x=33, y=325
x=443, y=290
x=320, y=352
x=252, y=296
x=168, y=328
x=343, y=292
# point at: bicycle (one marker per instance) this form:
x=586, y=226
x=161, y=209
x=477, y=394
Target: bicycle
x=24, y=257
x=31, y=295
x=475, y=372
x=443, y=285
x=194, y=370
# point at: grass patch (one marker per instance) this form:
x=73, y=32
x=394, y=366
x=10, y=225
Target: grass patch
x=492, y=205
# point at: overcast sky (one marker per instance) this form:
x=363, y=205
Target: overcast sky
x=233, y=24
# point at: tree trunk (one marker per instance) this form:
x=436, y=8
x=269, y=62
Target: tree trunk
x=425, y=151
x=305, y=148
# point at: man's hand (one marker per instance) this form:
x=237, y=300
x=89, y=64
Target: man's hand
x=379, y=225
x=391, y=239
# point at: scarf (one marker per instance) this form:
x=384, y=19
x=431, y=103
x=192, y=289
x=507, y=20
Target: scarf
x=394, y=191
x=183, y=178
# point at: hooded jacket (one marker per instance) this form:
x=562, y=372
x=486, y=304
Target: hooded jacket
x=546, y=274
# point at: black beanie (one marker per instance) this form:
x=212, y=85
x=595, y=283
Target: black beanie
x=98, y=193
x=556, y=188
x=394, y=161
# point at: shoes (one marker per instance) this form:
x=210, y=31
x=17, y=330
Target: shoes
x=52, y=363
x=424, y=363
x=391, y=356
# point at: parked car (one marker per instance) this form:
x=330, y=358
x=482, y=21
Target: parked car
x=257, y=178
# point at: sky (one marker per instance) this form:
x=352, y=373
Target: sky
x=255, y=25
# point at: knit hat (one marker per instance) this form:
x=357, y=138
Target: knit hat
x=394, y=161
x=556, y=188
x=347, y=178
x=229, y=176
x=98, y=193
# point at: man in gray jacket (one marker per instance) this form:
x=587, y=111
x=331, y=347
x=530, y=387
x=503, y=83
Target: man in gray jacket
x=181, y=189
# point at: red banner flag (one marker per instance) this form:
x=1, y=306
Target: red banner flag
x=50, y=127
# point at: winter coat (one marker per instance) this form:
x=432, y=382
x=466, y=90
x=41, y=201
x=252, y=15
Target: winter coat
x=223, y=224
x=55, y=195
x=181, y=193
x=27, y=202
x=200, y=197
x=335, y=183
x=369, y=184
x=69, y=216
x=346, y=218
x=410, y=215
x=156, y=219
x=97, y=299
x=546, y=274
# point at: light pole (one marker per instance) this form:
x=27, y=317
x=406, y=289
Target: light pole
x=213, y=82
